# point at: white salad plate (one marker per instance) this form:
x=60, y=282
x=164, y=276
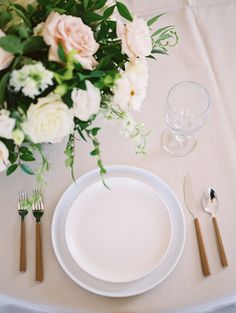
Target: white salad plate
x=120, y=241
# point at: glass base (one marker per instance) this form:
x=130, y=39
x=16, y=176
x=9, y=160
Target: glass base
x=178, y=145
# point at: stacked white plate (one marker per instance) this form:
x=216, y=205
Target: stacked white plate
x=120, y=241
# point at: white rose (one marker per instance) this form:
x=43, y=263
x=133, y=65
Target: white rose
x=130, y=88
x=25, y=3
x=38, y=30
x=5, y=57
x=7, y=124
x=135, y=38
x=86, y=102
x=49, y=120
x=4, y=154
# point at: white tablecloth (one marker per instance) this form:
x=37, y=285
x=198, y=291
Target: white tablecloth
x=206, y=53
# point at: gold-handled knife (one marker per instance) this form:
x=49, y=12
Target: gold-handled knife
x=192, y=208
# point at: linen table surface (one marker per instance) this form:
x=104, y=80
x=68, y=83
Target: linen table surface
x=206, y=53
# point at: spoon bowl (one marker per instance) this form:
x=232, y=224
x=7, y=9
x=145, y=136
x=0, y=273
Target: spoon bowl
x=210, y=205
x=210, y=202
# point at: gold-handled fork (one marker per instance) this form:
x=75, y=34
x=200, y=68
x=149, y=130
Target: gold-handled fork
x=38, y=210
x=23, y=211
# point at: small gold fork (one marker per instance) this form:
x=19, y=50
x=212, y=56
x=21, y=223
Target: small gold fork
x=23, y=211
x=38, y=210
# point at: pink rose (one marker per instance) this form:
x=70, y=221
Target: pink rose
x=73, y=35
x=5, y=57
x=135, y=38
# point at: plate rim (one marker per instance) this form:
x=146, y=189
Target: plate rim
x=120, y=293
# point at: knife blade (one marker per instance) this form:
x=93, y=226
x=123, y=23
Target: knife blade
x=192, y=208
x=189, y=196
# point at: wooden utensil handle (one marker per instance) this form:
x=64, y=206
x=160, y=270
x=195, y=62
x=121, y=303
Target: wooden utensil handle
x=223, y=258
x=202, y=251
x=22, y=247
x=39, y=259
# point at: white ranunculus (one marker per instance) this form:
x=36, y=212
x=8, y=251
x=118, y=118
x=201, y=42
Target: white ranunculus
x=139, y=68
x=135, y=38
x=4, y=154
x=7, y=124
x=31, y=79
x=86, y=102
x=130, y=88
x=49, y=120
x=5, y=57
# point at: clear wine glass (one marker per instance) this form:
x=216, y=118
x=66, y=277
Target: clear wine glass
x=188, y=105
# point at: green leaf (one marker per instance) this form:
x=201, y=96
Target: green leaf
x=151, y=57
x=5, y=17
x=11, y=169
x=104, y=61
x=95, y=130
x=69, y=162
x=23, y=31
x=3, y=84
x=123, y=10
x=12, y=44
x=96, y=151
x=43, y=3
x=154, y=19
x=108, y=12
x=86, y=3
x=25, y=168
x=13, y=157
x=23, y=14
x=31, y=9
x=100, y=4
x=159, y=51
x=61, y=53
x=91, y=17
x=164, y=37
x=33, y=44
x=93, y=74
x=166, y=28
x=19, y=30
x=96, y=74
x=27, y=157
x=81, y=134
x=24, y=149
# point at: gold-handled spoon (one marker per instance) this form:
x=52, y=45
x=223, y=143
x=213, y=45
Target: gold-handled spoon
x=210, y=205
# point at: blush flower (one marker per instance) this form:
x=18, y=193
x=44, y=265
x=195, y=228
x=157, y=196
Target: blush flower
x=4, y=155
x=7, y=124
x=74, y=35
x=5, y=57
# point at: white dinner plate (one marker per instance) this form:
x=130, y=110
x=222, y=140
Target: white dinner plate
x=76, y=231
x=121, y=234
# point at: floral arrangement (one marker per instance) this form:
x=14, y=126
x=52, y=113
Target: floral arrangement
x=63, y=63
